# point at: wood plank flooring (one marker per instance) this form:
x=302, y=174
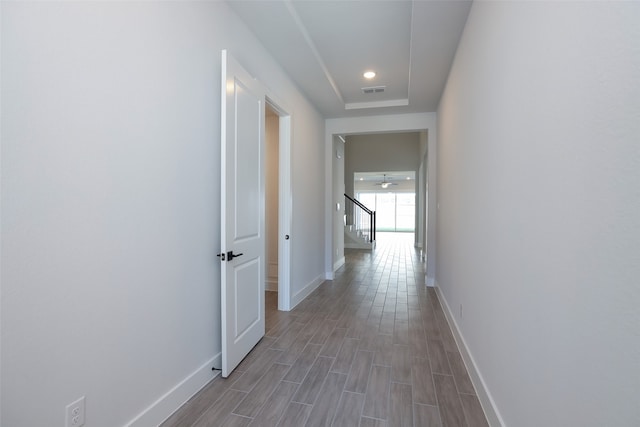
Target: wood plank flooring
x=370, y=348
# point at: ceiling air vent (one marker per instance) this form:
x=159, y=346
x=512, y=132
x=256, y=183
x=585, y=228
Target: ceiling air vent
x=373, y=89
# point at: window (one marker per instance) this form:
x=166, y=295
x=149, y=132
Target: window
x=394, y=211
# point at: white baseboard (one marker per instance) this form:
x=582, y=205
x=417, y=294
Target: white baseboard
x=339, y=263
x=486, y=400
x=306, y=291
x=431, y=282
x=172, y=400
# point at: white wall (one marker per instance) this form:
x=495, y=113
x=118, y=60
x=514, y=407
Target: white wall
x=110, y=203
x=309, y=204
x=539, y=218
x=338, y=199
x=380, y=152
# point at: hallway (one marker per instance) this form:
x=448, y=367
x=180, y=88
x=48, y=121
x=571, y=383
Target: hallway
x=370, y=348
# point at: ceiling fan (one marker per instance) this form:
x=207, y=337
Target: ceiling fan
x=385, y=184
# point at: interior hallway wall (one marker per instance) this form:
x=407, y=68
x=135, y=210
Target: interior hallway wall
x=380, y=152
x=111, y=203
x=338, y=205
x=539, y=208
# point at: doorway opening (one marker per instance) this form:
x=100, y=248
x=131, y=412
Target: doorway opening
x=371, y=149
x=272, y=131
x=277, y=205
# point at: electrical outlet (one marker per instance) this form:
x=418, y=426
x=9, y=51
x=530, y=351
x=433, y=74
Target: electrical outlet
x=75, y=413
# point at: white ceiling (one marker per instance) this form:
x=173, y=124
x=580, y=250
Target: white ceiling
x=326, y=45
x=375, y=177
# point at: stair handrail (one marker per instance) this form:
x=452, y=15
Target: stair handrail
x=357, y=202
x=372, y=217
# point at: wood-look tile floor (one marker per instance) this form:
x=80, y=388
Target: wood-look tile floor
x=370, y=348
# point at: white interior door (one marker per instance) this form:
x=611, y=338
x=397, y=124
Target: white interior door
x=242, y=216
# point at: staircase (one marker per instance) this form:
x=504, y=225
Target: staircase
x=354, y=239
x=360, y=225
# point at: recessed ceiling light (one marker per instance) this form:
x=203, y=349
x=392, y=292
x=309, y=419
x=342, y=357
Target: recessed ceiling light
x=369, y=74
x=408, y=178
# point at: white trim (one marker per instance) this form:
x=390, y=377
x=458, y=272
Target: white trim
x=306, y=291
x=339, y=263
x=376, y=104
x=172, y=400
x=486, y=400
x=431, y=282
x=381, y=124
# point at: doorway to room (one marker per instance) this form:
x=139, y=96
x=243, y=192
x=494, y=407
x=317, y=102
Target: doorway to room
x=272, y=149
x=278, y=203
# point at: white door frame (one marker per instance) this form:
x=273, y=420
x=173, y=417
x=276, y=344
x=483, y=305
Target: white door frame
x=285, y=203
x=384, y=123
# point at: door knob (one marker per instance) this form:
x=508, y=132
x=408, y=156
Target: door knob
x=231, y=255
